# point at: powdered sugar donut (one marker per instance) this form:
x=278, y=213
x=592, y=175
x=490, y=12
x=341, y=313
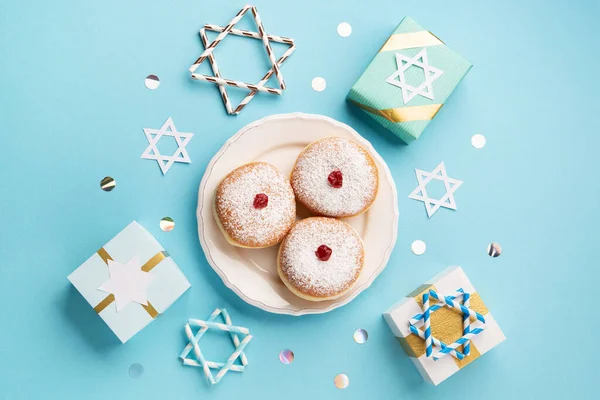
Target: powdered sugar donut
x=255, y=206
x=335, y=177
x=320, y=259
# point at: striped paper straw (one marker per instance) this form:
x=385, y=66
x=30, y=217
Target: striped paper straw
x=264, y=80
x=234, y=337
x=219, y=37
x=464, y=339
x=229, y=82
x=199, y=335
x=199, y=355
x=428, y=341
x=436, y=342
x=232, y=358
x=414, y=320
x=217, y=325
x=466, y=324
x=213, y=365
x=243, y=32
x=216, y=72
x=263, y=36
x=450, y=302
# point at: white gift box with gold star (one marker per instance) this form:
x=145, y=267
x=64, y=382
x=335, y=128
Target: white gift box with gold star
x=446, y=325
x=130, y=281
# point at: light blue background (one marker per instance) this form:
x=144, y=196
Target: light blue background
x=72, y=108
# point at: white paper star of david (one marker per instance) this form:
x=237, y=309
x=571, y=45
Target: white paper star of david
x=420, y=193
x=180, y=155
x=128, y=283
x=403, y=63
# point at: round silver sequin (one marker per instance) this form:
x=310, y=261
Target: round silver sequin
x=341, y=381
x=494, y=250
x=286, y=356
x=107, y=184
x=152, y=82
x=361, y=336
x=418, y=247
x=344, y=29
x=478, y=141
x=319, y=84
x=167, y=224
x=136, y=371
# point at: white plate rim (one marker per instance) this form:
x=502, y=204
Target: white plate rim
x=207, y=173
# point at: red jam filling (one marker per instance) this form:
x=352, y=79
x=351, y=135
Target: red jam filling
x=323, y=253
x=261, y=200
x=336, y=179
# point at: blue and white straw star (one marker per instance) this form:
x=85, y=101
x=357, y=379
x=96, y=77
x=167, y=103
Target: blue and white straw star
x=201, y=361
x=451, y=302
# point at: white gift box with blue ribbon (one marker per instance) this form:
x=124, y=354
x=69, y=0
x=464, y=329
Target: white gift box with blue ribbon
x=443, y=325
x=130, y=281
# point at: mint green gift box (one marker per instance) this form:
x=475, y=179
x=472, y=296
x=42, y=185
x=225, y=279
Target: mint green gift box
x=408, y=81
x=168, y=284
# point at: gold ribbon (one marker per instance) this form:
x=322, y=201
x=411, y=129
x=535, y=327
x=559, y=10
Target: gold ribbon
x=446, y=325
x=410, y=40
x=403, y=114
x=147, y=267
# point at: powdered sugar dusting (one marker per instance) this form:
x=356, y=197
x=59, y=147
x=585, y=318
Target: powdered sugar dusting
x=234, y=205
x=314, y=277
x=360, y=178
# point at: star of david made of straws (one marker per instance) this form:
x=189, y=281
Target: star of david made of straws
x=194, y=347
x=468, y=331
x=420, y=193
x=253, y=88
x=403, y=63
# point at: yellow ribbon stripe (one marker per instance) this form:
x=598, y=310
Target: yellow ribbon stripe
x=404, y=114
x=410, y=40
x=104, y=303
x=154, y=261
x=147, y=267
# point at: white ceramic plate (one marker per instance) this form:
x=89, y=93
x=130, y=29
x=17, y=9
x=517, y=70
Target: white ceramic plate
x=252, y=274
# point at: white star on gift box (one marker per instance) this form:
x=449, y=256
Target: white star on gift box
x=420, y=193
x=128, y=283
x=403, y=63
x=180, y=155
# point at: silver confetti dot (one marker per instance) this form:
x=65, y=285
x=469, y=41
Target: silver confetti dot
x=418, y=247
x=286, y=356
x=361, y=336
x=152, y=82
x=494, y=250
x=167, y=224
x=107, y=184
x=344, y=29
x=136, y=371
x=319, y=84
x=478, y=141
x=341, y=381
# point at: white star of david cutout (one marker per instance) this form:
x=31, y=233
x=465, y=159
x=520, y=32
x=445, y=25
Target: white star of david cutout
x=128, y=283
x=180, y=155
x=420, y=193
x=403, y=63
